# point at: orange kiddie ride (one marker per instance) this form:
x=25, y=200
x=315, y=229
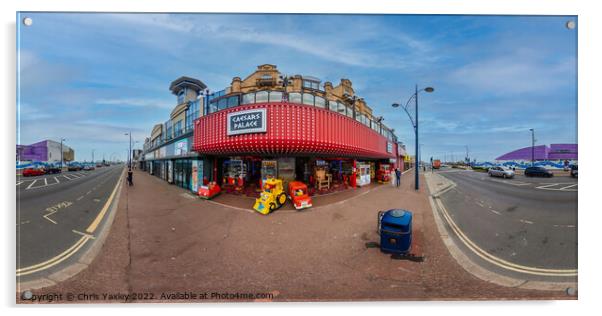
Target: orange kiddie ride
x=298, y=194
x=209, y=191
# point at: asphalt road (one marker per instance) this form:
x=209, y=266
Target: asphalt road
x=526, y=221
x=53, y=211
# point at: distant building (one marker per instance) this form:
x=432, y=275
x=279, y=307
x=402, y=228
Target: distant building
x=556, y=152
x=45, y=151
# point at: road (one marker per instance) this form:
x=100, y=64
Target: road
x=531, y=222
x=54, y=212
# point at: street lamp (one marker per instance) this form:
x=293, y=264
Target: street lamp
x=414, y=122
x=532, y=146
x=130, y=152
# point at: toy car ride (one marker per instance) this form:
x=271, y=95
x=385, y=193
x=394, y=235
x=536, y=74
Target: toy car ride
x=209, y=191
x=299, y=195
x=271, y=198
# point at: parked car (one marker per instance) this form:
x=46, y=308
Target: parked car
x=31, y=172
x=574, y=171
x=500, y=172
x=538, y=172
x=54, y=169
x=88, y=167
x=74, y=167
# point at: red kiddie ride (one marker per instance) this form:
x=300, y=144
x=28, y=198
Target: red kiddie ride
x=209, y=191
x=299, y=195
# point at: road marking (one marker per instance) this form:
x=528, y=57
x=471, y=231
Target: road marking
x=525, y=221
x=79, y=198
x=495, y=260
x=73, y=249
x=53, y=209
x=29, y=187
x=45, y=181
x=57, y=180
x=83, y=234
x=105, y=208
x=569, y=186
x=88, y=192
x=18, y=183
x=55, y=260
x=496, y=212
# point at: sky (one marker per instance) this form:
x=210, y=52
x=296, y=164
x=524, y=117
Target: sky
x=92, y=77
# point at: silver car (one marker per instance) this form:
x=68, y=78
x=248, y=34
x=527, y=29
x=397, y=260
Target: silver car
x=501, y=172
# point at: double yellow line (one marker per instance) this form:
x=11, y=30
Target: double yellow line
x=79, y=244
x=496, y=260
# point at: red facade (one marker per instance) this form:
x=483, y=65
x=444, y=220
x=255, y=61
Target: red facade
x=292, y=129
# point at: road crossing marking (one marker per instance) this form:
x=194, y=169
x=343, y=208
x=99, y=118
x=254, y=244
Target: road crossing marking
x=568, y=186
x=37, y=183
x=554, y=187
x=29, y=187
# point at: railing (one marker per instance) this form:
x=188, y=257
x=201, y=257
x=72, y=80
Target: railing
x=310, y=99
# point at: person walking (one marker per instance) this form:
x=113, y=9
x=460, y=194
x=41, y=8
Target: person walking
x=130, y=177
x=398, y=176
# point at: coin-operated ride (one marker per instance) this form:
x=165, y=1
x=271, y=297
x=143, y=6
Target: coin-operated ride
x=209, y=191
x=299, y=195
x=271, y=198
x=383, y=174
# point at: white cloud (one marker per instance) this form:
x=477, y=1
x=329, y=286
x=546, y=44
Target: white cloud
x=325, y=44
x=141, y=102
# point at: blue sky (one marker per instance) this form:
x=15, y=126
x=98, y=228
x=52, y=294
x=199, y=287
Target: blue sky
x=91, y=77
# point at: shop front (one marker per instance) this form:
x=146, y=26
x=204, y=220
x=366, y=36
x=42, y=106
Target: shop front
x=246, y=145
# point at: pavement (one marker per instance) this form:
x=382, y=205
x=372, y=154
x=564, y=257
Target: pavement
x=523, y=229
x=164, y=240
x=58, y=216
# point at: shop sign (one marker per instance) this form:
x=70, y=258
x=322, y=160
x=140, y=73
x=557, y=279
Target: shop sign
x=181, y=147
x=247, y=122
x=389, y=147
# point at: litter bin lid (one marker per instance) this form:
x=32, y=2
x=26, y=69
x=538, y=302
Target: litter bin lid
x=398, y=216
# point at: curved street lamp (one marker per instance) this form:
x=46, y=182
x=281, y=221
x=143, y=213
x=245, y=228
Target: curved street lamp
x=414, y=121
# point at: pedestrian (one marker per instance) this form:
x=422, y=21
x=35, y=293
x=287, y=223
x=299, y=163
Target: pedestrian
x=398, y=176
x=130, y=177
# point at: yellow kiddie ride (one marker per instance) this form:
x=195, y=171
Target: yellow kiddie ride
x=272, y=197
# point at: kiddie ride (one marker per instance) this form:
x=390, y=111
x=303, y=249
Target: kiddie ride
x=271, y=198
x=298, y=194
x=209, y=191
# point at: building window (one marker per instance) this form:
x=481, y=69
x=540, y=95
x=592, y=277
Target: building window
x=349, y=111
x=192, y=113
x=212, y=107
x=222, y=104
x=232, y=101
x=168, y=134
x=178, y=128
x=310, y=84
x=342, y=109
x=261, y=97
x=294, y=97
x=181, y=95
x=320, y=102
x=275, y=96
x=333, y=106
x=248, y=98
x=308, y=99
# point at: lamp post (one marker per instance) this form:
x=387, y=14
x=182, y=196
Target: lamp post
x=414, y=122
x=129, y=152
x=62, y=140
x=532, y=146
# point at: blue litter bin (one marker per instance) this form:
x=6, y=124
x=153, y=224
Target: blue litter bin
x=395, y=229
